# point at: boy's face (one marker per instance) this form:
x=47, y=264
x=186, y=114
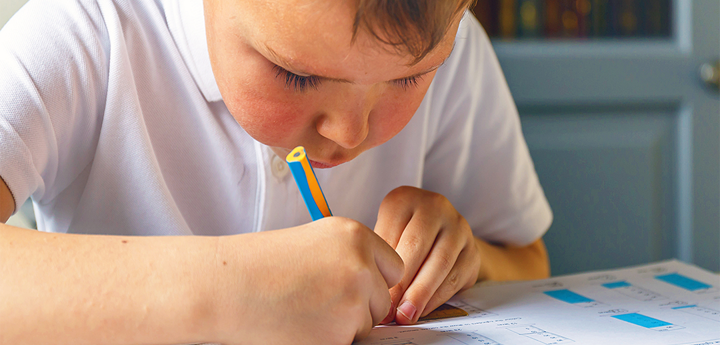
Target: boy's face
x=290, y=75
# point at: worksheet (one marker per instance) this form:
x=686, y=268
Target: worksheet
x=662, y=303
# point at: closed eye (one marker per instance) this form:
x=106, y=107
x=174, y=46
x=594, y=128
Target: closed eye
x=302, y=83
x=294, y=81
x=406, y=83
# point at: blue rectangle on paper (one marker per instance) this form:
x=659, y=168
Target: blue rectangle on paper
x=642, y=320
x=616, y=285
x=686, y=306
x=568, y=296
x=683, y=282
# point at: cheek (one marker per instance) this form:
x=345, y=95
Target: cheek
x=393, y=112
x=260, y=104
x=257, y=100
x=269, y=120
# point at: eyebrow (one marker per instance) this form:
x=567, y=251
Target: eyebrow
x=286, y=63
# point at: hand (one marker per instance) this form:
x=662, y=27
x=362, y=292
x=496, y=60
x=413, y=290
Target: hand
x=440, y=252
x=325, y=282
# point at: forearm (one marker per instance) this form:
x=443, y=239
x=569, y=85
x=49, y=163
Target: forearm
x=90, y=289
x=501, y=263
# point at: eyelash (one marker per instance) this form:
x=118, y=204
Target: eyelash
x=406, y=83
x=294, y=81
x=301, y=83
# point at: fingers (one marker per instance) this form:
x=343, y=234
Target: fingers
x=391, y=313
x=437, y=246
x=413, y=246
x=379, y=306
x=380, y=303
x=390, y=269
x=363, y=240
x=411, y=232
x=388, y=262
x=437, y=266
x=416, y=242
x=391, y=218
x=453, y=283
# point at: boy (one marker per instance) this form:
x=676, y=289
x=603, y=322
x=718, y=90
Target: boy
x=121, y=118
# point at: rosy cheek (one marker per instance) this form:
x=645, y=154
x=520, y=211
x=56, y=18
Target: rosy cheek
x=263, y=112
x=257, y=100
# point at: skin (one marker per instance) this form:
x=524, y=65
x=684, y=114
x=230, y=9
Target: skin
x=264, y=287
x=359, y=103
x=362, y=108
x=85, y=289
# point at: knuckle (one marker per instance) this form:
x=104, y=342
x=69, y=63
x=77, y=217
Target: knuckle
x=354, y=230
x=447, y=289
x=399, y=194
x=438, y=199
x=463, y=222
x=405, y=190
x=412, y=243
x=436, y=203
x=452, y=282
x=446, y=261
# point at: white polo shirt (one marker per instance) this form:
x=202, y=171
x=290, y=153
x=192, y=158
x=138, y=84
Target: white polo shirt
x=111, y=120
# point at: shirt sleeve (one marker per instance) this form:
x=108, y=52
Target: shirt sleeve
x=52, y=88
x=477, y=156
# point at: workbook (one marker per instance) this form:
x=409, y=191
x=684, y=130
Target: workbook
x=669, y=302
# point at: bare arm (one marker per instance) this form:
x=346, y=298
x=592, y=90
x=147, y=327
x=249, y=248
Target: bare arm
x=62, y=289
x=7, y=204
x=513, y=263
x=96, y=289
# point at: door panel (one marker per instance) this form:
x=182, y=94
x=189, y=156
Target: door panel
x=626, y=141
x=608, y=176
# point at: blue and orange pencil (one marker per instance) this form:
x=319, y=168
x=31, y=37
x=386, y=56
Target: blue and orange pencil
x=307, y=182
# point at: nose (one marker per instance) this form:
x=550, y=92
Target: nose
x=346, y=121
x=345, y=129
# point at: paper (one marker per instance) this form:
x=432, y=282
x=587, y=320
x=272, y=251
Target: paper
x=663, y=303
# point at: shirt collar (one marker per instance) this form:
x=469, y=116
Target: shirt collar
x=186, y=21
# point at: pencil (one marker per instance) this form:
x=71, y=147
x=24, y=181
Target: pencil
x=308, y=184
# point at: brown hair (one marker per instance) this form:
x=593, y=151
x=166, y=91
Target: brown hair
x=409, y=26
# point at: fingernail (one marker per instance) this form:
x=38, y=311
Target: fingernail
x=407, y=309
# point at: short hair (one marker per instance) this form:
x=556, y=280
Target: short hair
x=415, y=27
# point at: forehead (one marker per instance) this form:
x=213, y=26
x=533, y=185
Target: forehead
x=317, y=36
